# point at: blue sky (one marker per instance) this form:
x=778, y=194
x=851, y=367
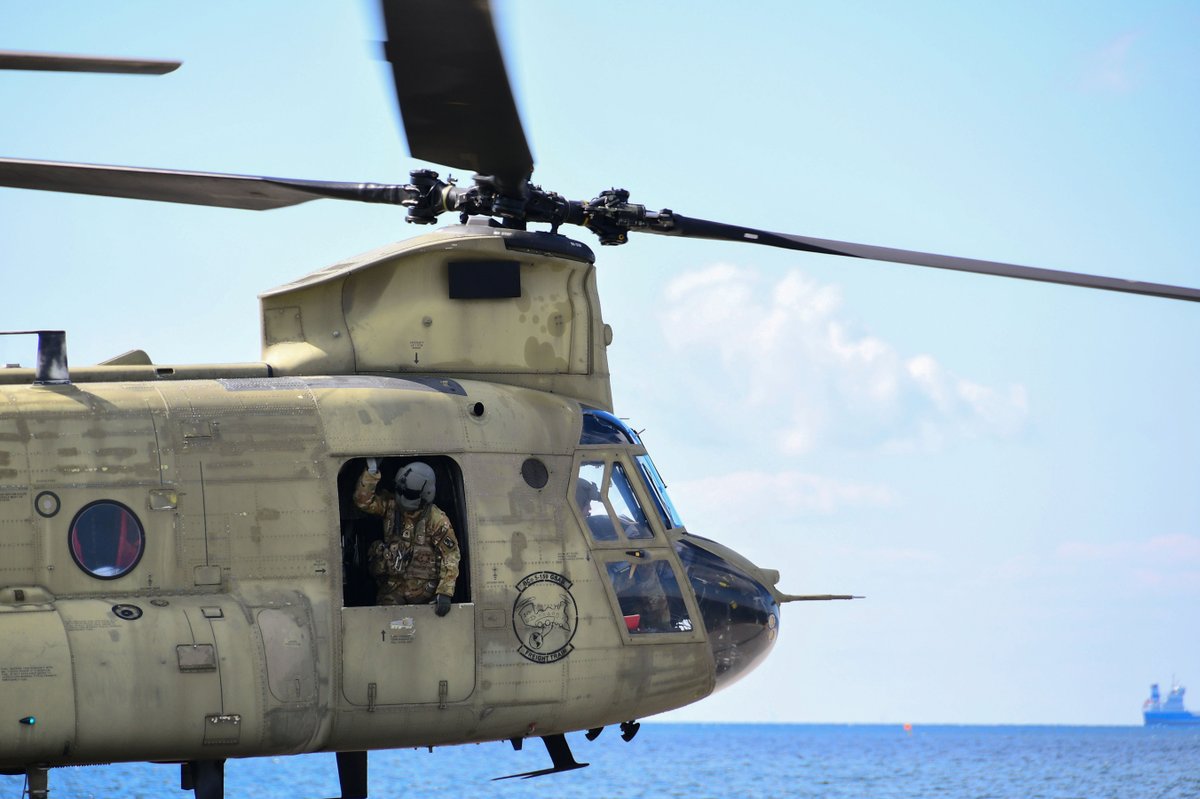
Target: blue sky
x=1007, y=470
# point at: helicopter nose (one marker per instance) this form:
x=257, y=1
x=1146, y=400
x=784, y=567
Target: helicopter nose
x=739, y=611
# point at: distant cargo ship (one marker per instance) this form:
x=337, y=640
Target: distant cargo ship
x=1169, y=712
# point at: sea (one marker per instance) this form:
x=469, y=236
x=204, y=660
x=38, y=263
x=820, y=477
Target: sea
x=723, y=761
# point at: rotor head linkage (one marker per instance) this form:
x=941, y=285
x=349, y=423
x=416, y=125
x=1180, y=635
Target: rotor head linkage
x=610, y=215
x=428, y=196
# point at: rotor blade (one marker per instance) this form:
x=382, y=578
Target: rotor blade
x=704, y=229
x=62, y=62
x=454, y=95
x=197, y=188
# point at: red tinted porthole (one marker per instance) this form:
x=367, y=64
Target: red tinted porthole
x=107, y=539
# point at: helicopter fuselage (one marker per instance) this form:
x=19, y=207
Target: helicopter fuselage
x=185, y=571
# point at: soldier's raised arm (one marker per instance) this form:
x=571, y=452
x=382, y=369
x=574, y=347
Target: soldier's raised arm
x=365, y=498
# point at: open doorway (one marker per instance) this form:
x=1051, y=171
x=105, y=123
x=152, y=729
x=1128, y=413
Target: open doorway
x=360, y=530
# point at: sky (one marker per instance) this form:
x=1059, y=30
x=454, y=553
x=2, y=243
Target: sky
x=1006, y=470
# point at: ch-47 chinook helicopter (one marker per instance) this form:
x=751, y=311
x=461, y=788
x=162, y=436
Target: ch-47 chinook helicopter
x=184, y=537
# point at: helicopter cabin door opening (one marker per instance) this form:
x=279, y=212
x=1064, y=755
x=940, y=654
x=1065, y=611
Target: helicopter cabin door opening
x=387, y=647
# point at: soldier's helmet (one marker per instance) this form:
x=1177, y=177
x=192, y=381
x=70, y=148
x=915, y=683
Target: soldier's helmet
x=585, y=494
x=415, y=485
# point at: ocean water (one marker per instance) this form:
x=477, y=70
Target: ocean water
x=724, y=761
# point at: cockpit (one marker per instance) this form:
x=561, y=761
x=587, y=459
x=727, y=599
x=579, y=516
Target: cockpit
x=604, y=429
x=650, y=558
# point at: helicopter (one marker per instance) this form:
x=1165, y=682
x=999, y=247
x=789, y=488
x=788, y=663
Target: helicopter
x=197, y=440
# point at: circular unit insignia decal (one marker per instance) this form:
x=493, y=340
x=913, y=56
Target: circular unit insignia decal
x=544, y=617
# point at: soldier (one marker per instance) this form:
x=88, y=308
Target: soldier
x=417, y=560
x=600, y=525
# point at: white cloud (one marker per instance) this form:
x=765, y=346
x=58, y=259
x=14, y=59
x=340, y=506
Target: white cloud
x=778, y=493
x=805, y=378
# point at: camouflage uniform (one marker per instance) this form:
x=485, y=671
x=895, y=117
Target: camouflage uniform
x=418, y=556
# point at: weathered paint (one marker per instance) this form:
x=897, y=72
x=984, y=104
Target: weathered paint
x=243, y=646
x=229, y=636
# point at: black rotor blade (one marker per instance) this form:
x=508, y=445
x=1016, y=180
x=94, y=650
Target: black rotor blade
x=196, y=188
x=704, y=229
x=62, y=62
x=454, y=95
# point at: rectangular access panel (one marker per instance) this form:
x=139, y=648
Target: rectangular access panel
x=406, y=654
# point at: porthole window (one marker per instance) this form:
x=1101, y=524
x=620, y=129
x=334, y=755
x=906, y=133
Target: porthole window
x=107, y=539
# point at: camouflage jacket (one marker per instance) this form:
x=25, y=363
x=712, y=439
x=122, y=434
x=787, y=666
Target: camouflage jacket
x=418, y=557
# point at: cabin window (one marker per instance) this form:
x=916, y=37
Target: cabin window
x=364, y=580
x=106, y=539
x=648, y=595
x=608, y=504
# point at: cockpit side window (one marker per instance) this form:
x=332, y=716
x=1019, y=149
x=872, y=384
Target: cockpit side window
x=608, y=504
x=626, y=506
x=587, y=497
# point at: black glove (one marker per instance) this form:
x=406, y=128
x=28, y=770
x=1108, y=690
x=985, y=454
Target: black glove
x=443, y=604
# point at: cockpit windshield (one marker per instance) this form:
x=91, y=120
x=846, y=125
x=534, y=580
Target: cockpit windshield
x=623, y=501
x=600, y=427
x=658, y=491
